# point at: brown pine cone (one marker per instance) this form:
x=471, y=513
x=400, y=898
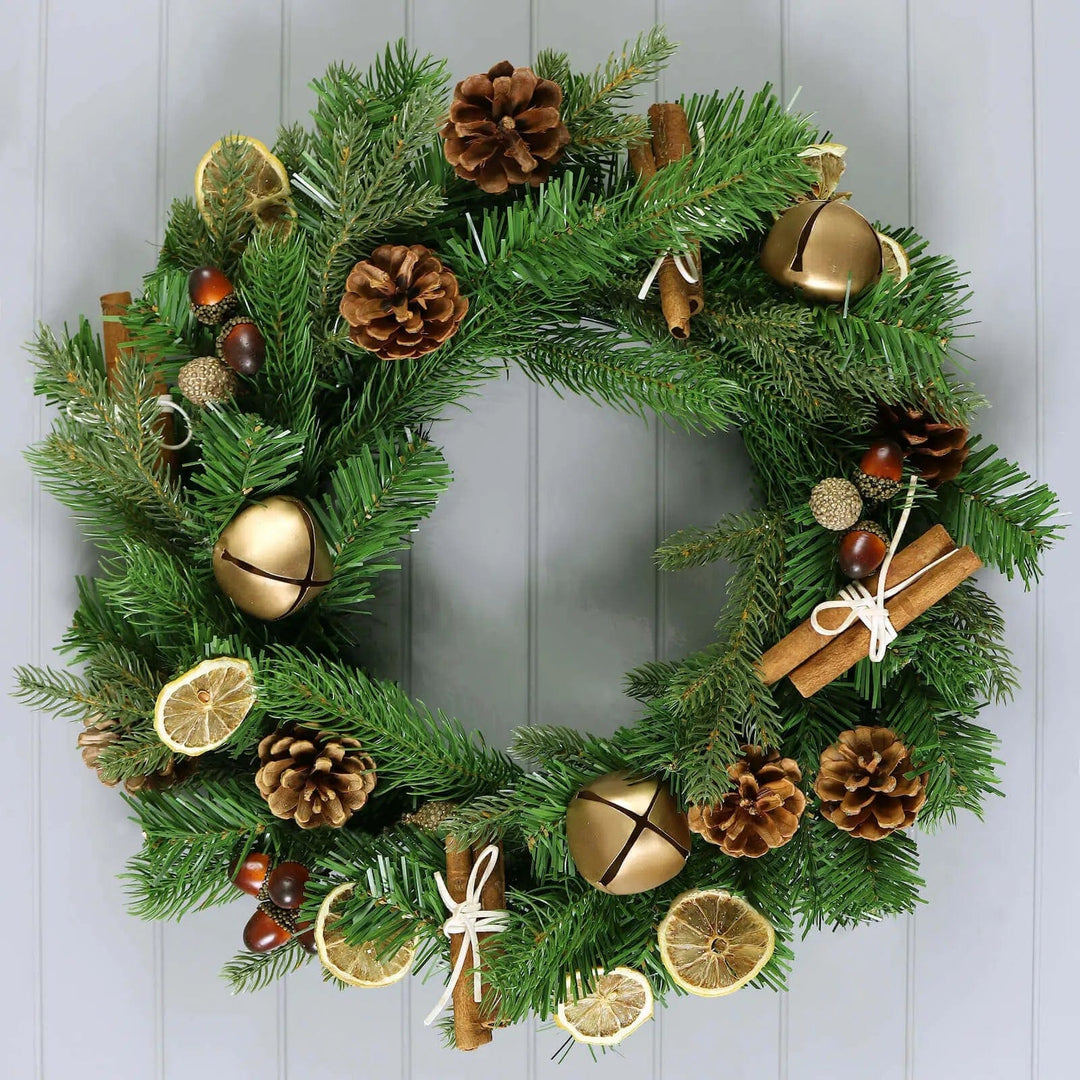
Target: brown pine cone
x=935, y=449
x=402, y=302
x=179, y=768
x=862, y=783
x=101, y=733
x=504, y=128
x=313, y=777
x=761, y=813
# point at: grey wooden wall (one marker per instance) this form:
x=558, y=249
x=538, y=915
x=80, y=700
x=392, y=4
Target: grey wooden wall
x=531, y=590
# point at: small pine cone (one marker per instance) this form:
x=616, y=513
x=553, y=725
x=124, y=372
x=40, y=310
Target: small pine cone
x=836, y=504
x=504, y=128
x=99, y=734
x=313, y=777
x=402, y=302
x=176, y=771
x=761, y=813
x=206, y=380
x=863, y=786
x=935, y=449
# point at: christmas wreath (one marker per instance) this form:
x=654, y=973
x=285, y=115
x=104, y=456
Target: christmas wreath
x=251, y=444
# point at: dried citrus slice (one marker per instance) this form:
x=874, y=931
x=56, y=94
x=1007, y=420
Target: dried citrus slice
x=204, y=706
x=827, y=160
x=894, y=258
x=266, y=183
x=357, y=965
x=618, y=1002
x=713, y=943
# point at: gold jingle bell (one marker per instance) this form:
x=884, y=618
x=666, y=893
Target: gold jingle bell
x=626, y=835
x=271, y=559
x=819, y=246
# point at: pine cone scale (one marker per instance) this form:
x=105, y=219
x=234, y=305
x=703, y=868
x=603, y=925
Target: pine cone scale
x=936, y=449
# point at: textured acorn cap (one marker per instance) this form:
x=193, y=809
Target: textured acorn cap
x=875, y=488
x=206, y=381
x=212, y=314
x=872, y=527
x=836, y=503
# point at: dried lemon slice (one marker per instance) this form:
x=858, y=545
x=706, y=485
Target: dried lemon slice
x=357, y=965
x=894, y=259
x=204, y=706
x=266, y=183
x=827, y=160
x=617, y=1004
x=713, y=943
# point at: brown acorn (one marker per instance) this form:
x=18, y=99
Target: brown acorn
x=306, y=938
x=213, y=299
x=863, y=549
x=878, y=477
x=268, y=928
x=250, y=875
x=241, y=345
x=285, y=886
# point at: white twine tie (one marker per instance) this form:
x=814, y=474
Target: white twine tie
x=165, y=404
x=471, y=919
x=682, y=264
x=868, y=607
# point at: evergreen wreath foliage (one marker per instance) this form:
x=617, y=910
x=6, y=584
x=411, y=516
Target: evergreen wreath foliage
x=551, y=275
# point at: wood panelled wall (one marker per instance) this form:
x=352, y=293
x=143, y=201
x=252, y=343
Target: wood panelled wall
x=531, y=591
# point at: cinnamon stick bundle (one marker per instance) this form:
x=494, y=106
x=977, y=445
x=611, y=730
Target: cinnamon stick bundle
x=492, y=898
x=114, y=335
x=845, y=650
x=470, y=1031
x=804, y=641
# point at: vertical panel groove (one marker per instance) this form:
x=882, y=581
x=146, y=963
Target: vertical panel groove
x=36, y=576
x=285, y=72
x=1040, y=604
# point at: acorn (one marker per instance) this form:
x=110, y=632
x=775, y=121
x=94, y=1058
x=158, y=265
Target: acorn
x=306, y=938
x=213, y=299
x=241, y=345
x=878, y=478
x=206, y=381
x=863, y=549
x=285, y=886
x=249, y=875
x=836, y=504
x=268, y=928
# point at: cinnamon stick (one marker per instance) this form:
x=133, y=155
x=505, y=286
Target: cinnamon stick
x=114, y=334
x=804, y=641
x=469, y=1030
x=844, y=651
x=670, y=142
x=492, y=898
x=695, y=292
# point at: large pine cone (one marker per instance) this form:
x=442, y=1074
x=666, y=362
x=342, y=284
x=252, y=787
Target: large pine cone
x=504, y=128
x=862, y=783
x=402, y=302
x=312, y=777
x=935, y=449
x=761, y=813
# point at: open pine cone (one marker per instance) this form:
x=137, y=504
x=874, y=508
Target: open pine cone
x=100, y=733
x=402, y=302
x=862, y=783
x=313, y=777
x=935, y=449
x=761, y=813
x=504, y=128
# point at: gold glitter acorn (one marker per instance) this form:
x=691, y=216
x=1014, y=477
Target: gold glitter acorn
x=836, y=504
x=206, y=381
x=271, y=559
x=626, y=835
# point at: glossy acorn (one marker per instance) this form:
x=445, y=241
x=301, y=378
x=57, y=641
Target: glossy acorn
x=241, y=345
x=249, y=875
x=880, y=470
x=264, y=931
x=306, y=938
x=213, y=298
x=285, y=886
x=862, y=550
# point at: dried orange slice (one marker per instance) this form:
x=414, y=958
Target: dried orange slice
x=894, y=258
x=618, y=1002
x=266, y=183
x=713, y=943
x=204, y=706
x=357, y=965
x=827, y=160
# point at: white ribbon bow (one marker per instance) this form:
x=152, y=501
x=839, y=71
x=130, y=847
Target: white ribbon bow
x=471, y=919
x=870, y=607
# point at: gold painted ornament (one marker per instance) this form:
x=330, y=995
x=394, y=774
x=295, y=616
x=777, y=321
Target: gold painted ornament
x=626, y=835
x=272, y=559
x=819, y=247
